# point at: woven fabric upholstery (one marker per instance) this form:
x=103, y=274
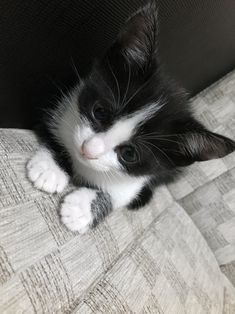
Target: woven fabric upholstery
x=207, y=190
x=155, y=260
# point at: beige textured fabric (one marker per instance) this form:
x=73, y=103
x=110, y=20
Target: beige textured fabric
x=229, y=271
x=207, y=190
x=151, y=261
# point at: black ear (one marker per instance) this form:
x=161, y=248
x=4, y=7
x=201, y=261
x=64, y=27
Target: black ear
x=138, y=39
x=201, y=145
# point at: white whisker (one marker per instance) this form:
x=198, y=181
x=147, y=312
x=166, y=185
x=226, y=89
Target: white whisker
x=128, y=84
x=75, y=69
x=135, y=93
x=162, y=152
x=117, y=84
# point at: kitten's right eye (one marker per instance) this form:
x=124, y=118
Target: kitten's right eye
x=100, y=113
x=129, y=154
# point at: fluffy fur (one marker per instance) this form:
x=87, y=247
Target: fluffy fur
x=123, y=130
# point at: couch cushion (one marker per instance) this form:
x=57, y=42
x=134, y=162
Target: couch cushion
x=151, y=261
x=207, y=190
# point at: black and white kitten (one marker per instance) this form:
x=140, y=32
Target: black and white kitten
x=123, y=130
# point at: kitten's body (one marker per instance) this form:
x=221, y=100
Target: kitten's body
x=122, y=131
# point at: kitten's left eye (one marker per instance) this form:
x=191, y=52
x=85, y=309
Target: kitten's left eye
x=128, y=154
x=100, y=113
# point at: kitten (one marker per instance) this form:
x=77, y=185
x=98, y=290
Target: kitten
x=123, y=130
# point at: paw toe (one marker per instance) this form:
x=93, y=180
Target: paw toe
x=46, y=175
x=62, y=183
x=75, y=213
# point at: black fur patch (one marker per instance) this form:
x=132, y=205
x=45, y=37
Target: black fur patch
x=101, y=207
x=142, y=199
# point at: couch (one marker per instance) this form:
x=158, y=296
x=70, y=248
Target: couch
x=177, y=255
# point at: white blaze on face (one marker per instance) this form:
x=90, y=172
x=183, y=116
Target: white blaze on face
x=101, y=143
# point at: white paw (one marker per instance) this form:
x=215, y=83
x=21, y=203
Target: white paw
x=76, y=210
x=45, y=174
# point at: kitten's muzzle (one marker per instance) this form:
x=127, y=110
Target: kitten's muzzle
x=93, y=148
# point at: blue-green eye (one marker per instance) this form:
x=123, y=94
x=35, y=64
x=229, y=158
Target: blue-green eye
x=128, y=154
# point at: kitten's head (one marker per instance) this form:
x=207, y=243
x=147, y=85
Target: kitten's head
x=129, y=117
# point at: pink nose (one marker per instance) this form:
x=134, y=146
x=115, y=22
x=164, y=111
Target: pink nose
x=92, y=148
x=85, y=152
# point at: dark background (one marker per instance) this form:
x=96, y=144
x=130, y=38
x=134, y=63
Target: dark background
x=40, y=40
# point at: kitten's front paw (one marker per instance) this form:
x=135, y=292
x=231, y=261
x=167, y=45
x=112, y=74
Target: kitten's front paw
x=76, y=211
x=45, y=174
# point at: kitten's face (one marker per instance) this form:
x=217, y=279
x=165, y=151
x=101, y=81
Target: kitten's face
x=119, y=111
x=109, y=135
x=127, y=117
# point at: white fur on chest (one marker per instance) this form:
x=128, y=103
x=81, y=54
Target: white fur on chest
x=121, y=187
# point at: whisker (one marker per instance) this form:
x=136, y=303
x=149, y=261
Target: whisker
x=75, y=69
x=162, y=139
x=161, y=151
x=149, y=149
x=111, y=92
x=128, y=84
x=135, y=93
x=165, y=135
x=117, y=84
x=59, y=88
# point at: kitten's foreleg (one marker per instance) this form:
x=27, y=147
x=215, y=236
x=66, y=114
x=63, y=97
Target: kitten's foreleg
x=142, y=199
x=84, y=208
x=45, y=173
